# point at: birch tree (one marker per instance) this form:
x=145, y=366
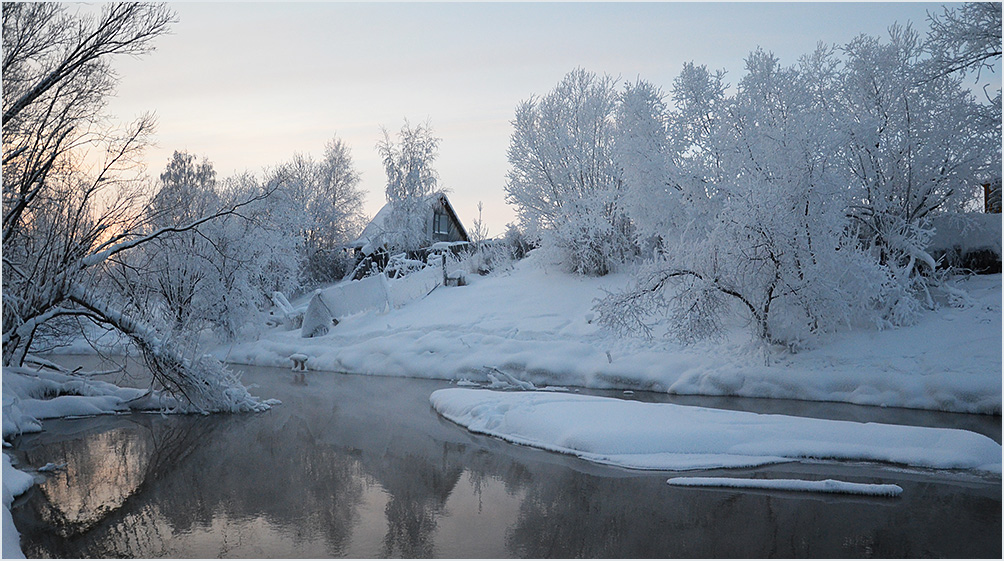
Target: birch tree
x=411, y=179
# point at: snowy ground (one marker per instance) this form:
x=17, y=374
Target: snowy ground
x=664, y=436
x=535, y=323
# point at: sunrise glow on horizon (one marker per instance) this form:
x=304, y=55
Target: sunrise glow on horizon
x=247, y=85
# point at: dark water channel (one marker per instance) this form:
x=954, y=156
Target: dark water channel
x=353, y=466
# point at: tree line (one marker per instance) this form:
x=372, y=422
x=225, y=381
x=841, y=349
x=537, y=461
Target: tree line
x=88, y=240
x=801, y=196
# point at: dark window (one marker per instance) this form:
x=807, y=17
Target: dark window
x=441, y=224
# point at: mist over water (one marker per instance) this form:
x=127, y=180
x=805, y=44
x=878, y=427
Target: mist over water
x=355, y=466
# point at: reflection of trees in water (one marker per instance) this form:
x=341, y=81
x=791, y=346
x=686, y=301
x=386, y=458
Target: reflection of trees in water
x=178, y=475
x=486, y=467
x=295, y=480
x=570, y=514
x=97, y=504
x=418, y=492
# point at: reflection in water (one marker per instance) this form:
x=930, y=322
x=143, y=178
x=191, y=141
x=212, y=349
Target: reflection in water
x=362, y=467
x=418, y=492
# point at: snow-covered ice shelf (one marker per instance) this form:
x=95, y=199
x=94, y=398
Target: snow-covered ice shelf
x=824, y=486
x=663, y=436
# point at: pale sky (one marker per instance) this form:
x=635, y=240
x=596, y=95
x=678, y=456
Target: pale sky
x=249, y=84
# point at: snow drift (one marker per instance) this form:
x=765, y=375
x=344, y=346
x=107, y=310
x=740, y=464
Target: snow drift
x=662, y=436
x=15, y=482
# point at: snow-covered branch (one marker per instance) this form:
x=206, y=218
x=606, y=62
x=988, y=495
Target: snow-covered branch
x=113, y=246
x=204, y=384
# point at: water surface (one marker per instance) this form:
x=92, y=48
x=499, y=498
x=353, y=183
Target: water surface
x=355, y=466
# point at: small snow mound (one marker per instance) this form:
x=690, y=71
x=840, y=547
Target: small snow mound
x=506, y=381
x=824, y=486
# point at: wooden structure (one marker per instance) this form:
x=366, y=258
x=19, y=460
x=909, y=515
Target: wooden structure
x=439, y=223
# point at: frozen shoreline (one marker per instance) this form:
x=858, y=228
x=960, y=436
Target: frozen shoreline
x=535, y=324
x=663, y=436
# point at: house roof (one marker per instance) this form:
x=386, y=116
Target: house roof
x=453, y=214
x=377, y=226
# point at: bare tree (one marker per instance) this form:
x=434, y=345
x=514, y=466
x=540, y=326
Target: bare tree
x=56, y=75
x=65, y=222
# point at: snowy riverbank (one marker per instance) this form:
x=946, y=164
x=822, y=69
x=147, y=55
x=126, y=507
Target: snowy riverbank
x=665, y=436
x=533, y=326
x=535, y=323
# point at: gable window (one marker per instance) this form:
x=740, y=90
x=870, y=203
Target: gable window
x=441, y=224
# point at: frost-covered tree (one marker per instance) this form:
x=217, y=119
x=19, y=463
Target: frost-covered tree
x=644, y=154
x=409, y=161
x=221, y=273
x=696, y=116
x=964, y=39
x=563, y=180
x=254, y=253
x=807, y=193
x=411, y=179
x=187, y=188
x=915, y=145
x=337, y=210
x=175, y=265
x=65, y=224
x=328, y=196
x=771, y=235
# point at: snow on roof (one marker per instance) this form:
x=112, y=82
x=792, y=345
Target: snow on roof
x=374, y=228
x=378, y=225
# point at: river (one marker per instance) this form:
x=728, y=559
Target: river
x=361, y=466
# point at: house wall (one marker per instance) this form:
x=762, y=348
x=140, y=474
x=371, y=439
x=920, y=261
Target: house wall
x=454, y=234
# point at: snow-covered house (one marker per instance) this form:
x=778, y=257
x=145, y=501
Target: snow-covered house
x=433, y=221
